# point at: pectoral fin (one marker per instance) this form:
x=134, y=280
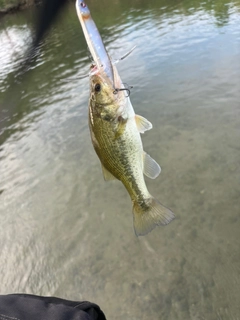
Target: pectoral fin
x=150, y=167
x=142, y=124
x=107, y=175
x=121, y=126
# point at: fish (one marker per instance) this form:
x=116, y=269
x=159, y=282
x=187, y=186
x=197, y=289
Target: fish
x=94, y=40
x=115, y=133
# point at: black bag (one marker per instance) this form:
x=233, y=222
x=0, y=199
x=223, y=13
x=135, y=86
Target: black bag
x=31, y=307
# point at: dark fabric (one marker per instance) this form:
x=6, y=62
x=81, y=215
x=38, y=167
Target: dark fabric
x=30, y=307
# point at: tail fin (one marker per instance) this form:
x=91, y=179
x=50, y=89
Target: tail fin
x=149, y=214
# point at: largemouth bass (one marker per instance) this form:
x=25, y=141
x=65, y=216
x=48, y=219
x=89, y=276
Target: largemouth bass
x=115, y=132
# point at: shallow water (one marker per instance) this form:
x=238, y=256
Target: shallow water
x=66, y=232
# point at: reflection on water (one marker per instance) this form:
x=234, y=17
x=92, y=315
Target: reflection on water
x=12, y=44
x=64, y=231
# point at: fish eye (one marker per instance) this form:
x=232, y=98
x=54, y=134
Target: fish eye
x=97, y=87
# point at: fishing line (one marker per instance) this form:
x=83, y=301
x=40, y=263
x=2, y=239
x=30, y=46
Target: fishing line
x=124, y=56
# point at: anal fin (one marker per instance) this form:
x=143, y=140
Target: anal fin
x=107, y=175
x=150, y=167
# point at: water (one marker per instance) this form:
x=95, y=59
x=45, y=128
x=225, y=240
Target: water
x=66, y=232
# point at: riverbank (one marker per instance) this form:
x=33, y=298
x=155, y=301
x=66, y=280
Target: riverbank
x=10, y=6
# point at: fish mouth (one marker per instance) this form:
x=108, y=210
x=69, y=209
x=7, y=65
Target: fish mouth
x=99, y=76
x=102, y=76
x=93, y=70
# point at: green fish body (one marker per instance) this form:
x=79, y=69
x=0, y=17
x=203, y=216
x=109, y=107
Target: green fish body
x=115, y=133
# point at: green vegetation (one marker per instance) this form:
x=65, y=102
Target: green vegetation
x=12, y=5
